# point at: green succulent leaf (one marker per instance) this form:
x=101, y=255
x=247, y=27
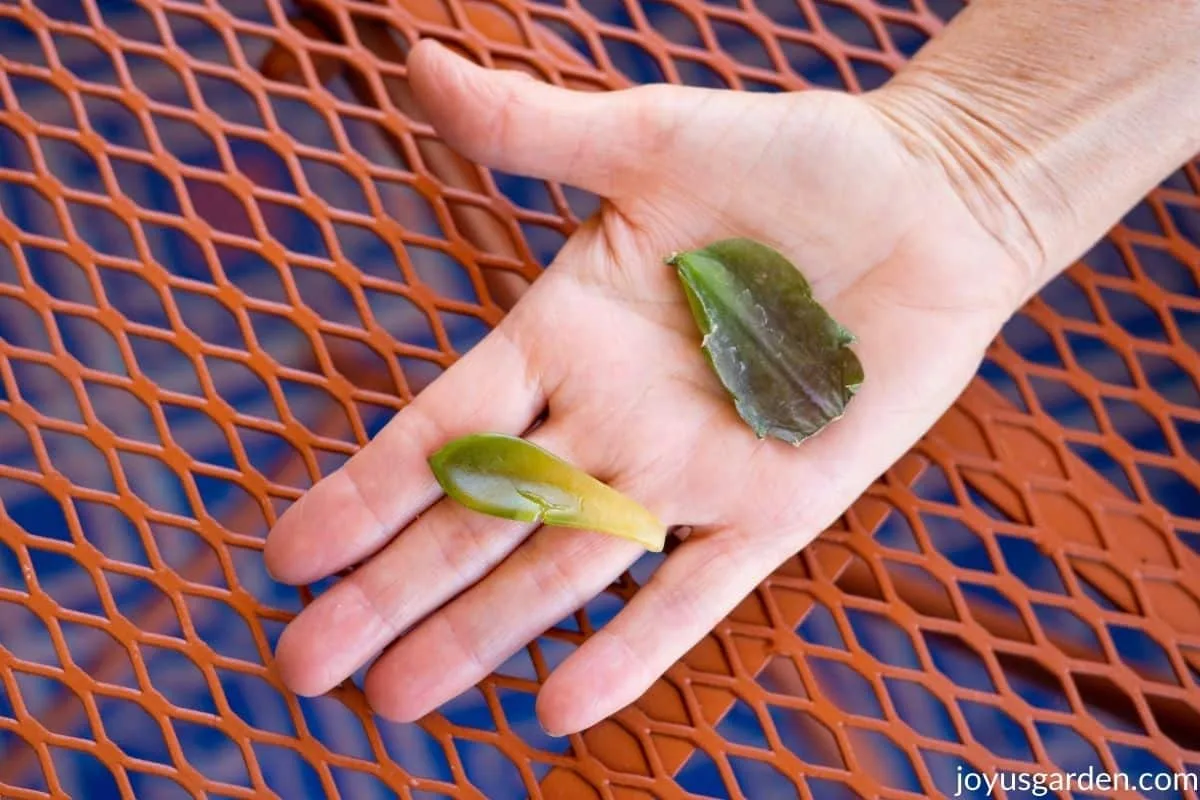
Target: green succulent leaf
x=785, y=361
x=509, y=477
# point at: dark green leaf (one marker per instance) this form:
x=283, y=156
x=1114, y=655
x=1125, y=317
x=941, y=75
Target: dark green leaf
x=786, y=362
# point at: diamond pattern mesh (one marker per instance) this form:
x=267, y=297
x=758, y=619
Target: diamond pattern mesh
x=230, y=249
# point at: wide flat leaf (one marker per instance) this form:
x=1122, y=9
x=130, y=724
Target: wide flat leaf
x=785, y=361
x=509, y=477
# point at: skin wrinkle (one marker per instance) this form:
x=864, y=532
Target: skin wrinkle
x=707, y=384
x=612, y=228
x=581, y=154
x=484, y=548
x=501, y=123
x=649, y=473
x=768, y=147
x=579, y=150
x=461, y=640
x=1069, y=115
x=659, y=218
x=608, y=231
x=766, y=153
x=547, y=570
x=327, y=677
x=677, y=600
x=358, y=488
x=656, y=133
x=801, y=519
x=458, y=555
x=419, y=427
x=534, y=379
x=703, y=206
x=979, y=184
x=835, y=296
x=620, y=476
x=367, y=600
x=971, y=310
x=559, y=582
x=1017, y=151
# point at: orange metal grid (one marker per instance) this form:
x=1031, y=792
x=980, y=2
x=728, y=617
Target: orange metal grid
x=1020, y=592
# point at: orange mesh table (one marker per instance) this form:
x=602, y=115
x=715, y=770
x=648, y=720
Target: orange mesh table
x=230, y=249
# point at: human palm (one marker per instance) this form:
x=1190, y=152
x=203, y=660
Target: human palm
x=604, y=345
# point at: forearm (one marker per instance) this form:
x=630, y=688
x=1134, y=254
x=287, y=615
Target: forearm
x=1053, y=117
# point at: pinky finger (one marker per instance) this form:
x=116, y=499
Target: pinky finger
x=691, y=592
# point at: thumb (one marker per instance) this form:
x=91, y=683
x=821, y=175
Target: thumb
x=504, y=119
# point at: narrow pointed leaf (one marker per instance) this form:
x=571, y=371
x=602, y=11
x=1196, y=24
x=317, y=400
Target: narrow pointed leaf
x=509, y=477
x=785, y=361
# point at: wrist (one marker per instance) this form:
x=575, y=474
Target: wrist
x=1050, y=118
x=997, y=177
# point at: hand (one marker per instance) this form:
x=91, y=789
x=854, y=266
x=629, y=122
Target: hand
x=604, y=341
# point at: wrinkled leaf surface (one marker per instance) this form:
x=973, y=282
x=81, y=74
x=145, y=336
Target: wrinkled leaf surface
x=785, y=361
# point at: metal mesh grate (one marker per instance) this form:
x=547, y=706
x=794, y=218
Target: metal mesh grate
x=230, y=250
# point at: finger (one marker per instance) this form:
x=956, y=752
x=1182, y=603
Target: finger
x=554, y=573
x=442, y=553
x=550, y=575
x=353, y=511
x=706, y=577
x=696, y=586
x=505, y=119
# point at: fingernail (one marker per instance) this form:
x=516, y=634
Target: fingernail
x=549, y=732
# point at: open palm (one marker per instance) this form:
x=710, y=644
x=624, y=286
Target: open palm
x=604, y=345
